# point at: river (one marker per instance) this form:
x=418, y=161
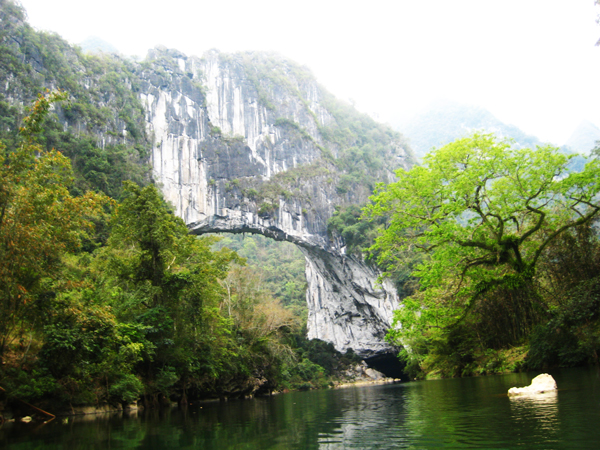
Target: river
x=453, y=413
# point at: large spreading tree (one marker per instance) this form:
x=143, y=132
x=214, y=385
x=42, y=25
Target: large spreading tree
x=481, y=211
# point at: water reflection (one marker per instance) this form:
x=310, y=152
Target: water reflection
x=372, y=415
x=538, y=411
x=546, y=402
x=457, y=413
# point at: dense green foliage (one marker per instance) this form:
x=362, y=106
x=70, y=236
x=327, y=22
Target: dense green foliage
x=39, y=220
x=278, y=265
x=572, y=286
x=101, y=129
x=484, y=215
x=277, y=273
x=148, y=310
x=358, y=234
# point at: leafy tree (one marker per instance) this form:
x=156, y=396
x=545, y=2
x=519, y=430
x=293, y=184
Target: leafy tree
x=40, y=221
x=571, y=281
x=482, y=212
x=156, y=275
x=261, y=326
x=279, y=265
x=88, y=352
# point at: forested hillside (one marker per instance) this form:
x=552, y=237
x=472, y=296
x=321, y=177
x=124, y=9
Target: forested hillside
x=101, y=127
x=105, y=297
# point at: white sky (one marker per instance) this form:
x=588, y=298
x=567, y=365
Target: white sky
x=532, y=63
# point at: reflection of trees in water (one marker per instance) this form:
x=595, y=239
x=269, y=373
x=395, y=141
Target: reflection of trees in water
x=84, y=432
x=475, y=412
x=286, y=421
x=455, y=413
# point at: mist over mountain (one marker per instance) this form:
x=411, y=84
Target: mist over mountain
x=94, y=44
x=584, y=138
x=444, y=121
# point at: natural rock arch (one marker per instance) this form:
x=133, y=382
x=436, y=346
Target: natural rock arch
x=347, y=306
x=244, y=143
x=238, y=153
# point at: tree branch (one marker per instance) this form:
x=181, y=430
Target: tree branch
x=580, y=221
x=537, y=226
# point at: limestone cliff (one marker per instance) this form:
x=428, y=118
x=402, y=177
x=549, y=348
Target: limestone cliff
x=243, y=143
x=246, y=142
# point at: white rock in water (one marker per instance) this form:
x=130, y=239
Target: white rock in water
x=540, y=384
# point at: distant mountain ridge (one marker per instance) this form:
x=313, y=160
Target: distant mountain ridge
x=584, y=138
x=446, y=121
x=94, y=44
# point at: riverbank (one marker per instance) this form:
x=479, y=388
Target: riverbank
x=20, y=411
x=435, y=366
x=421, y=414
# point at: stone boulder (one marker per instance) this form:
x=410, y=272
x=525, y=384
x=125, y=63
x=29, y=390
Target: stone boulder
x=540, y=384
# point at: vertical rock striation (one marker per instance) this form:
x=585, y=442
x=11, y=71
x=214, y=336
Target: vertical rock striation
x=345, y=305
x=247, y=142
x=243, y=143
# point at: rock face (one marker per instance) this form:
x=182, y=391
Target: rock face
x=242, y=143
x=539, y=385
x=238, y=143
x=363, y=373
x=345, y=306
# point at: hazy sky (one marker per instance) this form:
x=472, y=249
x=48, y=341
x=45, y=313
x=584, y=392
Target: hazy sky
x=532, y=63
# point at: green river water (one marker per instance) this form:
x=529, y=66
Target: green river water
x=454, y=413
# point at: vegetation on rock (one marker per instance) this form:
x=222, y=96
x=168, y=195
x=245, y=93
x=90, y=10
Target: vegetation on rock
x=110, y=302
x=359, y=150
x=101, y=128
